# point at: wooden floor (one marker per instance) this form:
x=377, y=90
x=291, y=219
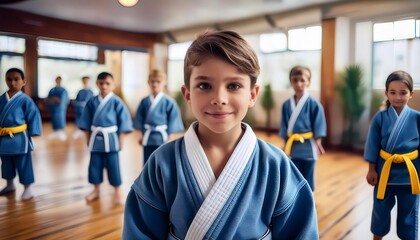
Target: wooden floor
x=59, y=211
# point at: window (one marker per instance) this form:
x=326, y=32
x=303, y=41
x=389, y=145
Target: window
x=396, y=47
x=11, y=55
x=388, y=31
x=383, y=31
x=12, y=44
x=273, y=42
x=134, y=74
x=404, y=29
x=389, y=56
x=71, y=61
x=47, y=48
x=276, y=59
x=305, y=38
x=71, y=71
x=176, y=55
x=177, y=51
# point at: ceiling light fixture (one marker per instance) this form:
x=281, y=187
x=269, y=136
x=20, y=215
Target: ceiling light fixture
x=128, y=3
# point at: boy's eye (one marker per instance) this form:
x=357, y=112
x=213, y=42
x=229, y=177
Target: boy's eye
x=204, y=86
x=234, y=86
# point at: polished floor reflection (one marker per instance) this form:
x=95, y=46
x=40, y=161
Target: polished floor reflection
x=59, y=210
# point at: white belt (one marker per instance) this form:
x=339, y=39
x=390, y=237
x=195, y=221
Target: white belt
x=104, y=130
x=158, y=128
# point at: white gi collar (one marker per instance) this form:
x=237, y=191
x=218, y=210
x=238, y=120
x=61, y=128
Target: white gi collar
x=8, y=98
x=215, y=192
x=296, y=109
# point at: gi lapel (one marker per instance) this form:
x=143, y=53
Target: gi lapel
x=101, y=105
x=11, y=102
x=398, y=126
x=216, y=192
x=155, y=102
x=296, y=109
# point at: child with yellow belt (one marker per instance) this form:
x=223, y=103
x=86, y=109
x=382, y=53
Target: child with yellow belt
x=392, y=152
x=303, y=125
x=19, y=121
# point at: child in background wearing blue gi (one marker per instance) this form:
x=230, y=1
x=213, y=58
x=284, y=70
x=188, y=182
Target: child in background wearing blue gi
x=106, y=120
x=392, y=152
x=79, y=104
x=158, y=117
x=303, y=125
x=57, y=101
x=19, y=121
x=219, y=181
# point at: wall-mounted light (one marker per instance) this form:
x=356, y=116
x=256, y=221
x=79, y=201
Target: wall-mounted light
x=128, y=3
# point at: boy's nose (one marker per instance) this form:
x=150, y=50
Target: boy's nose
x=219, y=98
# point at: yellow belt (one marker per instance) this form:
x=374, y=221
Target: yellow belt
x=296, y=137
x=4, y=131
x=398, y=158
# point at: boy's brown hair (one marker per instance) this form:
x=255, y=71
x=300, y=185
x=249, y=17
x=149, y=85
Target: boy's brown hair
x=299, y=71
x=155, y=73
x=226, y=45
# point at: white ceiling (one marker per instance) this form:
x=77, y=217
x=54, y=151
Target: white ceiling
x=158, y=16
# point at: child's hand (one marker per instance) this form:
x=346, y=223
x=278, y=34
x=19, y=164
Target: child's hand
x=140, y=138
x=320, y=148
x=121, y=139
x=372, y=177
x=87, y=137
x=54, y=99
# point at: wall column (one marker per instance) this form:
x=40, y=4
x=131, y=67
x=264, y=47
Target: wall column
x=31, y=66
x=328, y=72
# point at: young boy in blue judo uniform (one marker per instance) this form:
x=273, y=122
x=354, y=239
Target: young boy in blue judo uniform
x=158, y=117
x=79, y=104
x=392, y=150
x=57, y=101
x=19, y=121
x=105, y=119
x=219, y=181
x=303, y=125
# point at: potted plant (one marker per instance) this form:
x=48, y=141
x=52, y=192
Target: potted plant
x=268, y=104
x=179, y=99
x=352, y=92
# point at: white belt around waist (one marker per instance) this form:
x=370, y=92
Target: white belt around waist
x=158, y=128
x=104, y=130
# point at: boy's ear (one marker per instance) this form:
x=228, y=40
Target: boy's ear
x=186, y=93
x=254, y=94
x=24, y=82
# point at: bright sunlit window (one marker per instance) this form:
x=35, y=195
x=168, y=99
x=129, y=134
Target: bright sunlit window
x=47, y=48
x=12, y=44
x=305, y=38
x=417, y=28
x=383, y=31
x=177, y=51
x=404, y=29
x=273, y=42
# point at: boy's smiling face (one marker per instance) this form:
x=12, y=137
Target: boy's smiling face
x=219, y=95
